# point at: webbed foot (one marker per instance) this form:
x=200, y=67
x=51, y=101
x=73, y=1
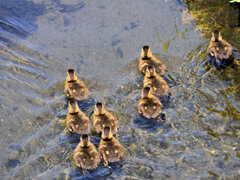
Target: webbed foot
x=161, y=118
x=85, y=172
x=106, y=164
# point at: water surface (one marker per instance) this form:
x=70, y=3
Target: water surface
x=40, y=40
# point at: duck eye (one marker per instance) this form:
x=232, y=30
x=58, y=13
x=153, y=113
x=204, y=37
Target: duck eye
x=225, y=48
x=145, y=107
x=154, y=107
x=217, y=48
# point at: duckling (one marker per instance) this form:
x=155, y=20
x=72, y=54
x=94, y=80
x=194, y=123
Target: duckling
x=149, y=105
x=156, y=82
x=109, y=148
x=77, y=121
x=102, y=118
x=147, y=59
x=75, y=88
x=218, y=47
x=86, y=155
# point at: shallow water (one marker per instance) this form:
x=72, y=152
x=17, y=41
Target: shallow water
x=40, y=40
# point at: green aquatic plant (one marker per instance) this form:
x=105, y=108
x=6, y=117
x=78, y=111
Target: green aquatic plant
x=178, y=33
x=165, y=45
x=233, y=1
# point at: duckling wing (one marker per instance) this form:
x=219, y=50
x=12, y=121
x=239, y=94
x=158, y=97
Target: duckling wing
x=84, y=123
x=159, y=66
x=150, y=108
x=229, y=49
x=89, y=158
x=106, y=120
x=78, y=123
x=116, y=150
x=141, y=102
x=158, y=85
x=114, y=123
x=210, y=46
x=112, y=149
x=144, y=63
x=100, y=122
x=77, y=90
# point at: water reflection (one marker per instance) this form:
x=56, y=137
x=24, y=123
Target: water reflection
x=216, y=14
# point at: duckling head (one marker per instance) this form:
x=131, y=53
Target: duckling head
x=216, y=36
x=146, y=52
x=71, y=75
x=107, y=133
x=73, y=107
x=85, y=141
x=99, y=109
x=146, y=92
x=150, y=72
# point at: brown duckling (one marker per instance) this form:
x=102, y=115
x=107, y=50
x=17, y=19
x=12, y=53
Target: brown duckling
x=218, y=47
x=147, y=59
x=75, y=88
x=109, y=148
x=149, y=105
x=86, y=155
x=156, y=82
x=77, y=121
x=102, y=118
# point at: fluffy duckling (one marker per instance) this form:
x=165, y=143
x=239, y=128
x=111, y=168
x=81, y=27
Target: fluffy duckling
x=147, y=59
x=149, y=106
x=77, y=121
x=75, y=88
x=102, y=118
x=86, y=155
x=109, y=148
x=156, y=82
x=218, y=47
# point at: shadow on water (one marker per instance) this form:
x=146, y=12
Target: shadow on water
x=151, y=125
x=19, y=17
